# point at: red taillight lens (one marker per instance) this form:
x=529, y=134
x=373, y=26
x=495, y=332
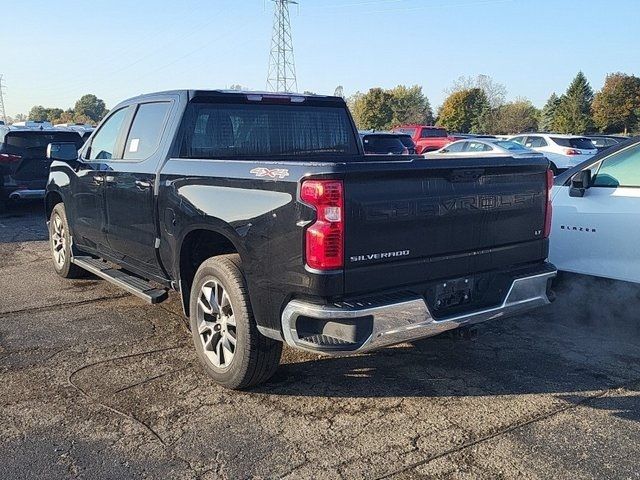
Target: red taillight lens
x=572, y=151
x=324, y=239
x=7, y=158
x=549, y=208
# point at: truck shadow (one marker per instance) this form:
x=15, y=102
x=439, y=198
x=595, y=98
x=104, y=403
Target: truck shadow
x=574, y=349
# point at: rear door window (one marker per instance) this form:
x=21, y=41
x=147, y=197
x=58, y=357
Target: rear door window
x=433, y=132
x=103, y=145
x=146, y=130
x=579, y=143
x=622, y=169
x=33, y=144
x=477, y=147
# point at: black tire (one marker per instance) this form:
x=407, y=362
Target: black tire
x=553, y=168
x=60, y=244
x=255, y=358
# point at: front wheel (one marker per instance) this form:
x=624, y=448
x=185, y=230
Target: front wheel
x=60, y=242
x=224, y=331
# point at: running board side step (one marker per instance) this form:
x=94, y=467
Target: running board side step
x=132, y=284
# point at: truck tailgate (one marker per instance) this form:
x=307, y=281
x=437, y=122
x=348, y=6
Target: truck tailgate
x=436, y=219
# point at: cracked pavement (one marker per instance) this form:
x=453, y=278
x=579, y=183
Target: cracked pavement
x=96, y=384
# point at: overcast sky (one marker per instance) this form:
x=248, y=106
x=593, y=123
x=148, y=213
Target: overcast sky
x=52, y=52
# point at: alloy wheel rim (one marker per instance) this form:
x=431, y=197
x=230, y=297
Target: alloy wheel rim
x=58, y=242
x=216, y=324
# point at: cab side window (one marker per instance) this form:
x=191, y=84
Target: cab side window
x=146, y=130
x=104, y=142
x=622, y=169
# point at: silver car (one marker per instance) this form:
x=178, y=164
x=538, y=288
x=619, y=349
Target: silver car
x=482, y=147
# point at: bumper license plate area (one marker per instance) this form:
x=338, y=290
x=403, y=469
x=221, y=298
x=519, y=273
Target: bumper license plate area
x=453, y=293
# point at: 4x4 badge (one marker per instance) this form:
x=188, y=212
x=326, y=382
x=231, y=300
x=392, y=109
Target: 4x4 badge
x=271, y=173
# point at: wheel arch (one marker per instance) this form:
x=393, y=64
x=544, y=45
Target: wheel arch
x=197, y=245
x=51, y=199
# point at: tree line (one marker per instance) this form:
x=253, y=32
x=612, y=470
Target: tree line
x=89, y=109
x=477, y=105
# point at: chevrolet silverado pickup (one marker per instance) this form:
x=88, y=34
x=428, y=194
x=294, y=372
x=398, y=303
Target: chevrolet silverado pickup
x=263, y=212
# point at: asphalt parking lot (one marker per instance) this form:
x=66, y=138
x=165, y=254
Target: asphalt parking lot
x=97, y=384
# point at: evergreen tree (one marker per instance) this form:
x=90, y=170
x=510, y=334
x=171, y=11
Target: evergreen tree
x=548, y=115
x=574, y=111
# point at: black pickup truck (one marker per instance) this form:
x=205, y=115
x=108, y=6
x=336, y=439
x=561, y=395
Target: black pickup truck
x=264, y=213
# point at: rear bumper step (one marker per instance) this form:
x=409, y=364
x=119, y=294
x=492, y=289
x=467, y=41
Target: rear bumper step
x=364, y=326
x=132, y=284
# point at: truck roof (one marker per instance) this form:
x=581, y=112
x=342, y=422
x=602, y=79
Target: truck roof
x=254, y=95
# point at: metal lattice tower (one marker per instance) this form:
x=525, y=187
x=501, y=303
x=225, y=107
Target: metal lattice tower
x=2, y=111
x=282, y=68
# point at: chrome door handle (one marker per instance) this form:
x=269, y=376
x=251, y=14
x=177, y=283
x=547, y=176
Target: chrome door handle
x=143, y=185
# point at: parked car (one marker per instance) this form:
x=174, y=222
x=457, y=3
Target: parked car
x=426, y=138
x=596, y=215
x=602, y=142
x=563, y=151
x=475, y=147
x=264, y=212
x=381, y=143
x=24, y=167
x=463, y=136
x=84, y=130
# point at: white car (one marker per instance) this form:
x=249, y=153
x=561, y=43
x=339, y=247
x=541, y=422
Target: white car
x=596, y=216
x=563, y=151
x=473, y=147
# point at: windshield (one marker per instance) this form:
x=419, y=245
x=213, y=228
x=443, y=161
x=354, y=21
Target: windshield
x=433, y=132
x=580, y=143
x=512, y=146
x=245, y=130
x=34, y=143
x=381, y=145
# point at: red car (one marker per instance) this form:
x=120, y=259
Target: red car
x=426, y=138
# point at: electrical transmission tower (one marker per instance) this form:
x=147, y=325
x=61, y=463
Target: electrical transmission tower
x=282, y=68
x=2, y=111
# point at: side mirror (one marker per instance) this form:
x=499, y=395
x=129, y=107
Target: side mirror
x=579, y=183
x=63, y=151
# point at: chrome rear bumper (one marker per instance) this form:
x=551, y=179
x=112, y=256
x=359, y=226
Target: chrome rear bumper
x=401, y=321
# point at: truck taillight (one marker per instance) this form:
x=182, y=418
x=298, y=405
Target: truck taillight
x=549, y=208
x=324, y=239
x=7, y=158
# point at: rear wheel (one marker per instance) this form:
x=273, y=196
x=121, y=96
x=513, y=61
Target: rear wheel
x=553, y=168
x=60, y=242
x=224, y=331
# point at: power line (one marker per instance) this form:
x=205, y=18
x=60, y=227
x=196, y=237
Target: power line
x=282, y=68
x=2, y=110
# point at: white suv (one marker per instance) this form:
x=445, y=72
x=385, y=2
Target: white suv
x=596, y=216
x=563, y=151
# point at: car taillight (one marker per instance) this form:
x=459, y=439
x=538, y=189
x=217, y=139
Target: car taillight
x=549, y=208
x=572, y=151
x=7, y=158
x=324, y=239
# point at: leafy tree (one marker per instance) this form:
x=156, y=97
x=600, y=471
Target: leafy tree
x=515, y=117
x=66, y=117
x=91, y=107
x=39, y=114
x=372, y=110
x=410, y=105
x=548, y=114
x=574, y=110
x=617, y=106
x=494, y=91
x=462, y=111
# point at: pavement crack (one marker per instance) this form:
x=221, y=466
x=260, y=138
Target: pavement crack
x=130, y=416
x=63, y=305
x=511, y=428
x=151, y=379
